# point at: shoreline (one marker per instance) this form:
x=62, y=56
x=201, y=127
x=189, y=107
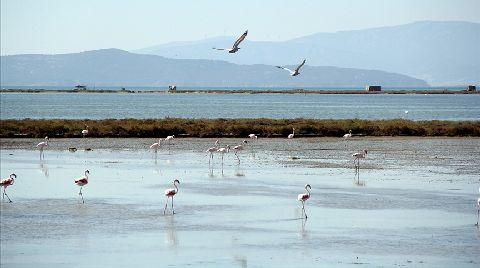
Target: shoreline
x=244, y=91
x=234, y=128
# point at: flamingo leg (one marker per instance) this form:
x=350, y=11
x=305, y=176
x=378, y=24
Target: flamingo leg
x=166, y=204
x=81, y=195
x=478, y=215
x=5, y=193
x=173, y=211
x=237, y=157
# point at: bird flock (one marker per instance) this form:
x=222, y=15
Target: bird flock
x=170, y=193
x=235, y=47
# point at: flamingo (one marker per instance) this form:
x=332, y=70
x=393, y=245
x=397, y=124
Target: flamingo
x=211, y=150
x=237, y=148
x=304, y=197
x=252, y=136
x=223, y=150
x=170, y=193
x=348, y=135
x=85, y=131
x=156, y=145
x=5, y=183
x=235, y=47
x=169, y=138
x=293, y=72
x=42, y=145
x=290, y=136
x=357, y=157
x=81, y=181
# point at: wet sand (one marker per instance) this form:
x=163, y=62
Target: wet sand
x=411, y=205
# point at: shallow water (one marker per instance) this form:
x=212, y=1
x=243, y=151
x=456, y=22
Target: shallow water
x=317, y=106
x=412, y=205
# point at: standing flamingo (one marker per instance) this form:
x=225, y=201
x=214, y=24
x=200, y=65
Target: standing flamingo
x=156, y=145
x=223, y=150
x=290, y=136
x=81, y=181
x=237, y=148
x=168, y=138
x=5, y=183
x=85, y=131
x=211, y=150
x=304, y=197
x=348, y=135
x=170, y=193
x=42, y=145
x=357, y=157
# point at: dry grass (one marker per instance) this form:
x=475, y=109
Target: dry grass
x=234, y=127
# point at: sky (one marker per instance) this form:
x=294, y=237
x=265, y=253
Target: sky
x=67, y=26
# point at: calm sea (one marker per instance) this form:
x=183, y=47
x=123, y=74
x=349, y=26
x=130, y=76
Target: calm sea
x=199, y=105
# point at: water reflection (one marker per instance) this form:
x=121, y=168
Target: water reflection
x=44, y=168
x=171, y=238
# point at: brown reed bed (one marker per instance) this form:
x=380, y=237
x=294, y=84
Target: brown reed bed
x=143, y=128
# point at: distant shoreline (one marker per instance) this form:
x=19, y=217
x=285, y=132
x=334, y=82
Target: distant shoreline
x=244, y=91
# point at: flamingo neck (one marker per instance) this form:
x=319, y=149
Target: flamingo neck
x=308, y=192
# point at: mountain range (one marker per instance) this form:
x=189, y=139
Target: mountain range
x=114, y=67
x=441, y=53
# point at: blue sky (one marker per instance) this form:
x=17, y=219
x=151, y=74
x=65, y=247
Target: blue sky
x=65, y=26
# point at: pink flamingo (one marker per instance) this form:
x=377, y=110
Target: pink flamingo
x=81, y=181
x=156, y=145
x=5, y=183
x=348, y=135
x=237, y=148
x=85, y=131
x=304, y=197
x=223, y=150
x=170, y=193
x=290, y=136
x=253, y=136
x=42, y=145
x=357, y=157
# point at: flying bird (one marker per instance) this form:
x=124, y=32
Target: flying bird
x=293, y=72
x=304, y=197
x=81, y=181
x=235, y=47
x=5, y=183
x=170, y=193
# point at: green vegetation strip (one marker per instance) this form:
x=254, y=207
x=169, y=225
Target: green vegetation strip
x=234, y=127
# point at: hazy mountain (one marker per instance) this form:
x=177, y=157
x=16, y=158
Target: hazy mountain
x=113, y=67
x=442, y=53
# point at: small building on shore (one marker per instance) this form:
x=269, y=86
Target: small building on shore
x=80, y=87
x=472, y=88
x=373, y=88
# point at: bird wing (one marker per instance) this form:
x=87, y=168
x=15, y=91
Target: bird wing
x=240, y=39
x=82, y=180
x=170, y=191
x=281, y=67
x=303, y=196
x=6, y=181
x=220, y=48
x=41, y=144
x=300, y=66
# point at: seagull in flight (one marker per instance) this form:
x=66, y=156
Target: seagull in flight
x=235, y=47
x=294, y=72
